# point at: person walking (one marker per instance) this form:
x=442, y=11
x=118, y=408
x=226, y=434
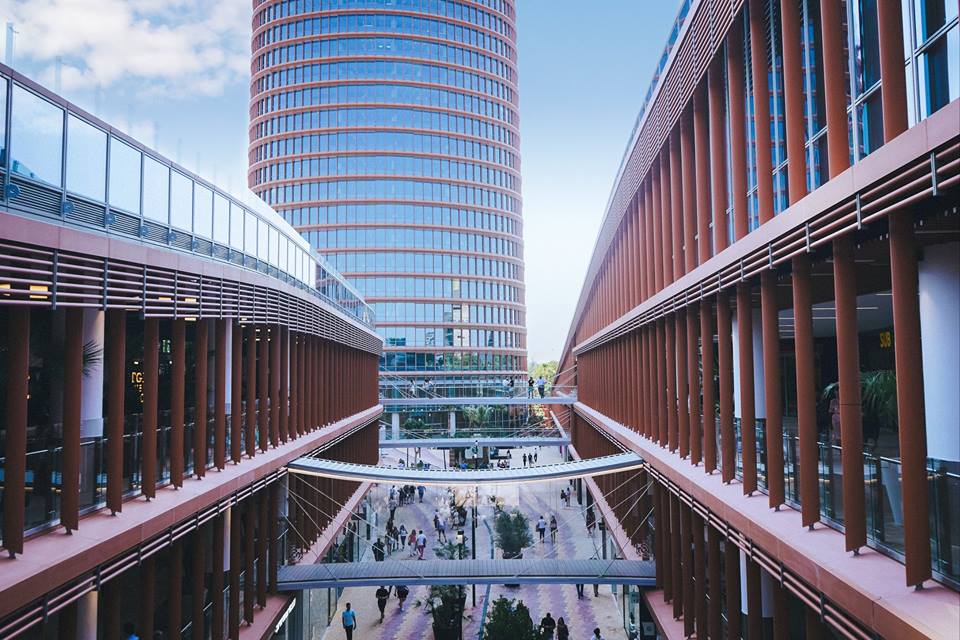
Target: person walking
x=541, y=528
x=378, y=550
x=349, y=619
x=412, y=542
x=535, y=457
x=547, y=626
x=524, y=460
x=596, y=590
x=421, y=544
x=392, y=503
x=596, y=634
x=382, y=594
x=553, y=528
x=402, y=593
x=579, y=592
x=541, y=385
x=441, y=529
x=420, y=491
x=530, y=387
x=591, y=521
x=563, y=631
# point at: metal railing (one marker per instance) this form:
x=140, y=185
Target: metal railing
x=60, y=163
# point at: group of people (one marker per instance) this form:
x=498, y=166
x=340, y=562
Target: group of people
x=558, y=629
x=542, y=528
x=540, y=384
x=530, y=458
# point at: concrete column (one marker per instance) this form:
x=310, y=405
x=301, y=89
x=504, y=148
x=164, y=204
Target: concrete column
x=151, y=373
x=793, y=98
x=72, y=393
x=115, y=353
x=806, y=390
x=728, y=453
x=395, y=426
x=939, y=294
x=451, y=423
x=91, y=398
x=228, y=358
x=87, y=615
x=178, y=377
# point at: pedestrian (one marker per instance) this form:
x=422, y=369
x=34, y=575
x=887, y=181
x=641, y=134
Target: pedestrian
x=524, y=460
x=382, y=594
x=534, y=457
x=591, y=521
x=596, y=590
x=563, y=631
x=349, y=619
x=596, y=634
x=392, y=503
x=378, y=550
x=541, y=528
x=530, y=387
x=541, y=385
x=547, y=626
x=579, y=592
x=420, y=491
x=553, y=528
x=441, y=529
x=412, y=541
x=421, y=543
x=436, y=521
x=402, y=593
x=402, y=534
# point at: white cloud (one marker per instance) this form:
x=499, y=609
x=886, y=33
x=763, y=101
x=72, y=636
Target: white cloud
x=159, y=46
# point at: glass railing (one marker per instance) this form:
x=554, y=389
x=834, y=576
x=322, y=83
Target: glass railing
x=59, y=162
x=394, y=388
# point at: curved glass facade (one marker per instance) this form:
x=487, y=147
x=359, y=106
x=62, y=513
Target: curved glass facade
x=386, y=131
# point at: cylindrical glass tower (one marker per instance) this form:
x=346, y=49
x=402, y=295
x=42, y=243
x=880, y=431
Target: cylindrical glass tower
x=386, y=131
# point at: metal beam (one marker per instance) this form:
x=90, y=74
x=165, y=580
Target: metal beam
x=454, y=443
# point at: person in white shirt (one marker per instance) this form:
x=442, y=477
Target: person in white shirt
x=596, y=634
x=541, y=528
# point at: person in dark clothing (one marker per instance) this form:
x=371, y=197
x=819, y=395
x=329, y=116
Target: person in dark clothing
x=402, y=593
x=349, y=619
x=596, y=591
x=579, y=592
x=382, y=594
x=547, y=626
x=378, y=550
x=563, y=631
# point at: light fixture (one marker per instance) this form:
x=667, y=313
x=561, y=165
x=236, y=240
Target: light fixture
x=460, y=536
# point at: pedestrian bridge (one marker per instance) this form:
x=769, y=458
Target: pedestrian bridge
x=439, y=572
x=438, y=401
x=454, y=443
x=560, y=471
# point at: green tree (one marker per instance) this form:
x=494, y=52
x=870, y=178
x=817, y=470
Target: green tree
x=546, y=369
x=513, y=533
x=509, y=620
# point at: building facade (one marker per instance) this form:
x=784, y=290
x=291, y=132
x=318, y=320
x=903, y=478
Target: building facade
x=164, y=352
x=770, y=319
x=387, y=134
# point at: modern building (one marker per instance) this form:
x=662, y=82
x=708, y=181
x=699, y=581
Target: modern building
x=771, y=318
x=387, y=134
x=164, y=352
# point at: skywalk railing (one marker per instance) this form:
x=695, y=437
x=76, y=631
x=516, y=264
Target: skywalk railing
x=62, y=164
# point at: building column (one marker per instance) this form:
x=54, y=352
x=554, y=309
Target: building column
x=701, y=137
x=263, y=387
x=656, y=184
x=147, y=586
x=272, y=547
x=175, y=584
x=198, y=573
x=834, y=85
x=806, y=391
x=893, y=86
x=670, y=354
x=72, y=398
x=693, y=385
x=216, y=578
x=910, y=408
x=731, y=556
x=683, y=408
x=236, y=392
x=262, y=559
x=699, y=575
x=112, y=620
x=201, y=352
x=728, y=447
x=91, y=400
x=709, y=401
x=759, y=55
x=284, y=384
x=718, y=151
x=688, y=179
x=220, y=393
x=676, y=556
x=451, y=423
x=250, y=423
x=747, y=397
x=660, y=392
x=275, y=385
x=851, y=419
x=116, y=337
x=738, y=133
x=676, y=200
x=715, y=608
x=233, y=613
x=793, y=99
x=87, y=607
x=249, y=538
x=178, y=376
x=686, y=563
x=771, y=381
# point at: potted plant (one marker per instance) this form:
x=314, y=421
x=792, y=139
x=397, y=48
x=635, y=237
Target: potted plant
x=513, y=534
x=509, y=620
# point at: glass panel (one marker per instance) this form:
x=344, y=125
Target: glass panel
x=221, y=219
x=156, y=190
x=202, y=211
x=181, y=201
x=274, y=238
x=250, y=237
x=86, y=159
x=3, y=121
x=36, y=137
x=236, y=227
x=124, y=176
x=940, y=72
x=931, y=15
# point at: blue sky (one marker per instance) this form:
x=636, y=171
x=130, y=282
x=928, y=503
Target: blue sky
x=175, y=73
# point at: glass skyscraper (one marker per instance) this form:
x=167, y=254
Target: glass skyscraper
x=386, y=131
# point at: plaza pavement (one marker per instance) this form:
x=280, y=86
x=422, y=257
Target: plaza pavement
x=534, y=499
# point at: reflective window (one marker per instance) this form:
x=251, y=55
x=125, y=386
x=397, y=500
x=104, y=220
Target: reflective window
x=86, y=159
x=236, y=227
x=274, y=243
x=181, y=201
x=124, y=176
x=156, y=190
x=202, y=211
x=221, y=219
x=250, y=234
x=36, y=137
x=263, y=249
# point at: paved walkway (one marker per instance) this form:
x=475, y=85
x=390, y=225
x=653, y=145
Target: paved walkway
x=533, y=499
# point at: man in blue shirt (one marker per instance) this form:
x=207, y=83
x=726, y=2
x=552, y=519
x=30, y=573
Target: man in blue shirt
x=349, y=618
